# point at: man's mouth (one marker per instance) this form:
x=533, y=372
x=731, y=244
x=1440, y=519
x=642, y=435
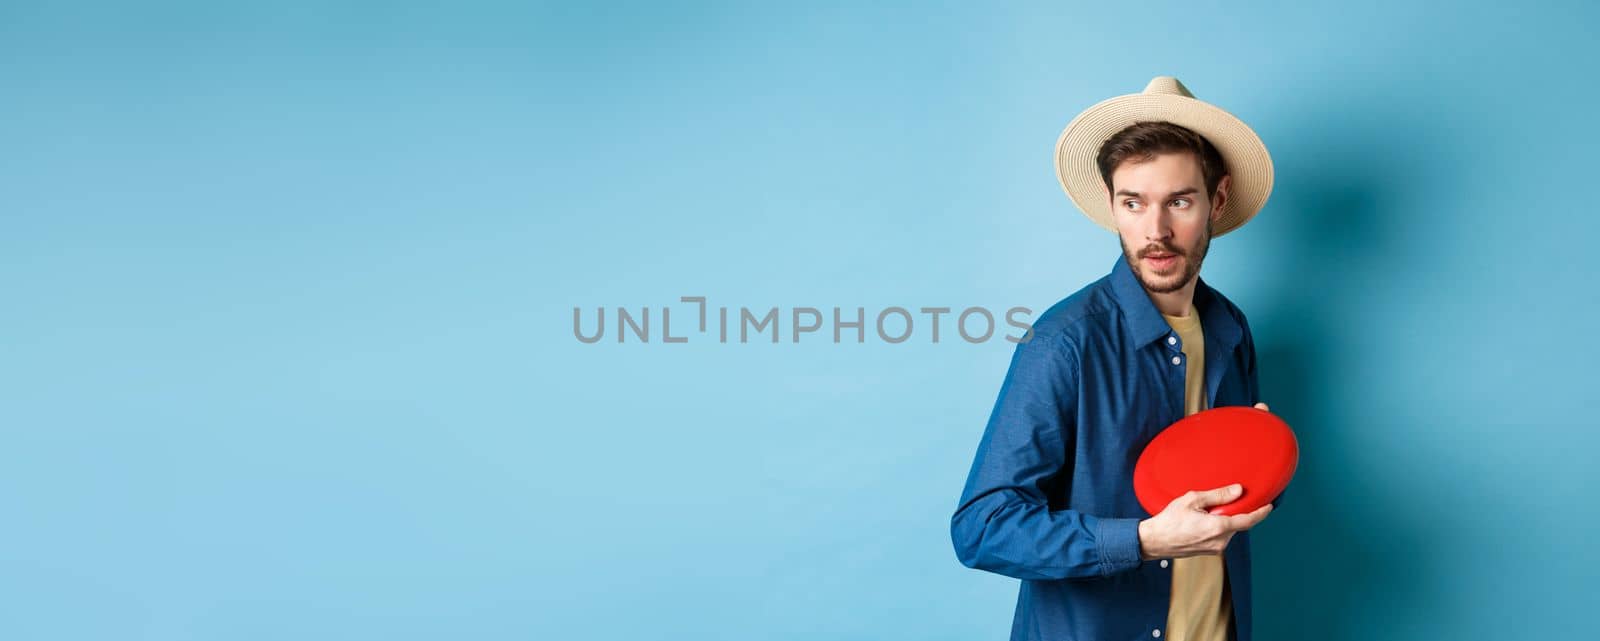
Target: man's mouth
x=1161, y=260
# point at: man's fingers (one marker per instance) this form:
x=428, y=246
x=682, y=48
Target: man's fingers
x=1262, y=407
x=1250, y=519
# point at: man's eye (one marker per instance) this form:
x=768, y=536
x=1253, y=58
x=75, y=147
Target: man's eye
x=1130, y=204
x=1181, y=202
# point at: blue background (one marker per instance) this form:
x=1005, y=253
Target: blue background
x=288, y=347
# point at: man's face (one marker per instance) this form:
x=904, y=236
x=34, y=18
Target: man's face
x=1164, y=218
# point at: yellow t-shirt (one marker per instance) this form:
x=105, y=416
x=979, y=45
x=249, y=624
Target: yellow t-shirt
x=1200, y=610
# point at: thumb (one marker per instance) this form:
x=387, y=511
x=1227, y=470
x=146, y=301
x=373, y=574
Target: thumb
x=1219, y=496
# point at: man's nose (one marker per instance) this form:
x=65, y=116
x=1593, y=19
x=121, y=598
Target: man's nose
x=1160, y=228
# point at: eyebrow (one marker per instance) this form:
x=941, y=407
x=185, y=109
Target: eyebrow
x=1181, y=192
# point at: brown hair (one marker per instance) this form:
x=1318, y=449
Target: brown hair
x=1141, y=141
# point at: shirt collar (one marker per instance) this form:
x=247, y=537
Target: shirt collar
x=1144, y=321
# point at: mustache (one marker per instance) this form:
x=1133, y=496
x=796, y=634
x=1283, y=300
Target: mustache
x=1159, y=249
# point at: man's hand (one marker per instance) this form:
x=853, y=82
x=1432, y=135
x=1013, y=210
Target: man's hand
x=1262, y=407
x=1187, y=528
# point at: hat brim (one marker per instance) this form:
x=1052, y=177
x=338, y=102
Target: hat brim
x=1242, y=152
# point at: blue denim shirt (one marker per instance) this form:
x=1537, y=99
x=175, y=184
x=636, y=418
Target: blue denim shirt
x=1049, y=498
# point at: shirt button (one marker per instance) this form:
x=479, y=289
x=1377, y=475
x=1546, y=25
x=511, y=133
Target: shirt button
x=1176, y=360
x=1172, y=340
x=1163, y=563
x=1156, y=632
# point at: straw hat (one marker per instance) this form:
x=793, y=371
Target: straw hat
x=1165, y=99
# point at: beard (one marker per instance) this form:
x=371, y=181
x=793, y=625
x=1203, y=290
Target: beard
x=1187, y=264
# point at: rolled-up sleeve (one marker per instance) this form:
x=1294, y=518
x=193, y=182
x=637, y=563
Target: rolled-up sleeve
x=1003, y=522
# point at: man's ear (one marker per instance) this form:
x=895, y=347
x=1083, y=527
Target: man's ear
x=1221, y=198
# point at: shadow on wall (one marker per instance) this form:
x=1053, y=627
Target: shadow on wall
x=1341, y=554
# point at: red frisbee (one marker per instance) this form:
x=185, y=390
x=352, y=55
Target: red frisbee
x=1215, y=448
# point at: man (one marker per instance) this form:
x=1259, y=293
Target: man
x=1049, y=498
